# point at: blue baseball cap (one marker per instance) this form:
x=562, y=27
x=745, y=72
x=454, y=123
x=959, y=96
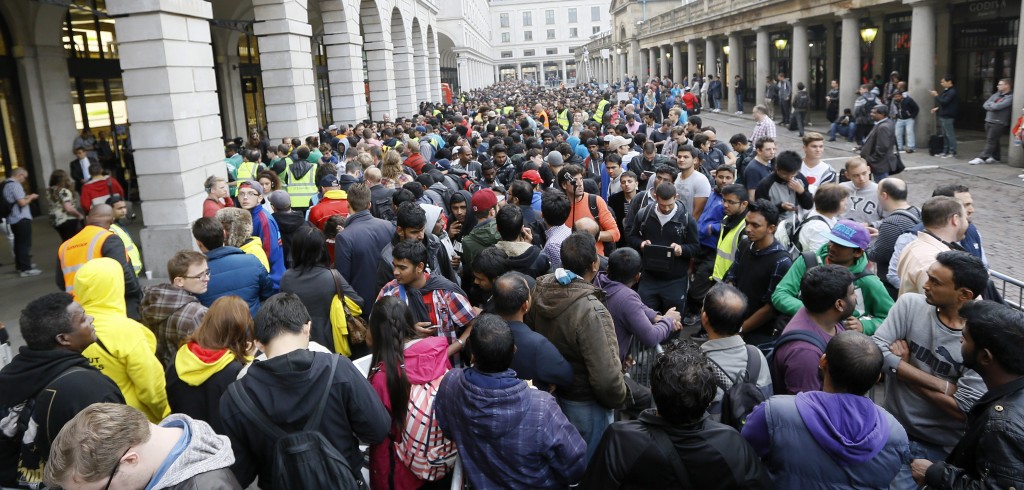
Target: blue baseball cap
x=851, y=234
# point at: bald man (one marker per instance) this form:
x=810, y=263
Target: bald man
x=591, y=227
x=96, y=240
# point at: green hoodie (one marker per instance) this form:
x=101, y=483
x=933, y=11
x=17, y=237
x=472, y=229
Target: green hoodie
x=877, y=301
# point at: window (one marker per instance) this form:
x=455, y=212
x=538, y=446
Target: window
x=504, y=20
x=572, y=50
x=506, y=37
x=506, y=54
x=595, y=30
x=549, y=17
x=572, y=16
x=527, y=52
x=574, y=32
x=551, y=33
x=527, y=19
x=595, y=13
x=528, y=36
x=551, y=51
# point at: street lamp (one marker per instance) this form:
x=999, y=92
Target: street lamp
x=780, y=44
x=668, y=55
x=867, y=34
x=725, y=49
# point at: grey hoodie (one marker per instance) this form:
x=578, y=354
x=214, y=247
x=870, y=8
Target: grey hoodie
x=206, y=456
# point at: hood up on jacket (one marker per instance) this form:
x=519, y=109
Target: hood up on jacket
x=553, y=298
x=849, y=428
x=99, y=287
x=494, y=402
x=161, y=301
x=289, y=221
x=31, y=370
x=204, y=451
x=195, y=364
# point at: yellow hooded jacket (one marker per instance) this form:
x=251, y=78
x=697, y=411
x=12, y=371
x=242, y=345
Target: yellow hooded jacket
x=125, y=350
x=254, y=246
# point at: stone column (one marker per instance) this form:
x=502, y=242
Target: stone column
x=344, y=66
x=653, y=63
x=735, y=67
x=287, y=64
x=434, y=61
x=763, y=65
x=691, y=57
x=565, y=73
x=379, y=64
x=801, y=56
x=171, y=93
x=623, y=67
x=710, y=54
x=636, y=64
x=1016, y=153
x=422, y=63
x=405, y=84
x=645, y=60
x=849, y=68
x=921, y=77
x=665, y=49
x=677, y=64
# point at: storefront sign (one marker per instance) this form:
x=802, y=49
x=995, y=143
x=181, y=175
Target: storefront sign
x=985, y=10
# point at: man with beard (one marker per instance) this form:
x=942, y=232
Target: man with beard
x=929, y=389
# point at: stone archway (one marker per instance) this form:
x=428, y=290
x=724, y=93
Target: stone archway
x=405, y=87
x=344, y=49
x=377, y=54
x=421, y=63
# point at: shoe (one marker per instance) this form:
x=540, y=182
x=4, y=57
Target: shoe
x=976, y=161
x=30, y=273
x=691, y=319
x=832, y=140
x=739, y=113
x=910, y=150
x=948, y=155
x=991, y=160
x=855, y=148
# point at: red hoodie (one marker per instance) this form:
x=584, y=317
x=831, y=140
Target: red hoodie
x=415, y=161
x=99, y=190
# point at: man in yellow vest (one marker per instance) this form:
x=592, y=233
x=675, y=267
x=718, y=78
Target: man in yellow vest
x=562, y=116
x=299, y=179
x=250, y=167
x=734, y=203
x=120, y=207
x=602, y=107
x=95, y=241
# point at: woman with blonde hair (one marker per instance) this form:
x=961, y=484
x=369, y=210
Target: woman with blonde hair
x=210, y=361
x=65, y=216
x=217, y=196
x=391, y=169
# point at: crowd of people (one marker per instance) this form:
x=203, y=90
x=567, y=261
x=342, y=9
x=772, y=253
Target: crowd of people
x=481, y=284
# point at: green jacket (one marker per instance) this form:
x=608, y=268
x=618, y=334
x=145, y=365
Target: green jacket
x=483, y=235
x=876, y=299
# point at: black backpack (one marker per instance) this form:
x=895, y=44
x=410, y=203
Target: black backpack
x=769, y=349
x=740, y=399
x=6, y=207
x=794, y=236
x=305, y=458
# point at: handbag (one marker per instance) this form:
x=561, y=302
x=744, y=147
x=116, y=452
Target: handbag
x=347, y=326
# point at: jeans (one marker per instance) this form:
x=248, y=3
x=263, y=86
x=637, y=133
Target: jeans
x=786, y=107
x=918, y=450
x=947, y=130
x=739, y=102
x=801, y=118
x=847, y=131
x=905, y=126
x=879, y=176
x=662, y=294
x=22, y=244
x=590, y=418
x=993, y=131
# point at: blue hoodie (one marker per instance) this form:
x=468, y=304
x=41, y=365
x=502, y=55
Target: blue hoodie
x=862, y=445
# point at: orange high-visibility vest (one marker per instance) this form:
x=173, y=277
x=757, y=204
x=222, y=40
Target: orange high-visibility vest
x=81, y=248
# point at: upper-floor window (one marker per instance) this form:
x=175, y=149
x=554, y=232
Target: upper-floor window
x=572, y=16
x=574, y=32
x=551, y=51
x=527, y=52
x=506, y=37
x=551, y=34
x=528, y=36
x=506, y=54
x=549, y=17
x=595, y=13
x=527, y=19
x=503, y=19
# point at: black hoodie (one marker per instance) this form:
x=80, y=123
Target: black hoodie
x=288, y=222
x=54, y=385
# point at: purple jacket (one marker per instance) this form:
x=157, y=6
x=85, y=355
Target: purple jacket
x=623, y=303
x=795, y=364
x=508, y=435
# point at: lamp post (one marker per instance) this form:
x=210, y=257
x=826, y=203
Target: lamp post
x=868, y=32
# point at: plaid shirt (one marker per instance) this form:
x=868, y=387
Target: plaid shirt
x=448, y=309
x=763, y=129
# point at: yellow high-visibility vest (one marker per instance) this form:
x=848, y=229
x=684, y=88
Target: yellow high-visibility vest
x=300, y=190
x=727, y=243
x=129, y=247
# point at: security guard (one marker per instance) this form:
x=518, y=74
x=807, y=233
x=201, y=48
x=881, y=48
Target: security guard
x=300, y=179
x=120, y=211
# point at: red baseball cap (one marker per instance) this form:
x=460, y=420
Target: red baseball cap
x=533, y=177
x=484, y=199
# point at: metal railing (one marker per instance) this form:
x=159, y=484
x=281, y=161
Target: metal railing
x=1002, y=282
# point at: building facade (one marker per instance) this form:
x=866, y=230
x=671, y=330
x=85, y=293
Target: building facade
x=536, y=41
x=851, y=41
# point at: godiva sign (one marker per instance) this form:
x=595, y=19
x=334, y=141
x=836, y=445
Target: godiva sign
x=986, y=9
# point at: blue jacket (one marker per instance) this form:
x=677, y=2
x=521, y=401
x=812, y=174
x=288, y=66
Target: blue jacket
x=356, y=251
x=844, y=441
x=711, y=217
x=265, y=226
x=234, y=272
x=508, y=435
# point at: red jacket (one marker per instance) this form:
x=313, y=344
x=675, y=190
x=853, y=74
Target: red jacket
x=334, y=202
x=98, y=191
x=415, y=162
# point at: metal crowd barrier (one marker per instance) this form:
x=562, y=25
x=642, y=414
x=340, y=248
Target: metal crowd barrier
x=643, y=361
x=1007, y=286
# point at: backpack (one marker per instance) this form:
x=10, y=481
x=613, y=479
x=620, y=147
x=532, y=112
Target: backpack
x=802, y=100
x=6, y=207
x=304, y=458
x=769, y=349
x=423, y=448
x=907, y=214
x=609, y=247
x=740, y=399
x=794, y=235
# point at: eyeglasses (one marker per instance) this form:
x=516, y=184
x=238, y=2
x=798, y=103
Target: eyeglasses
x=248, y=194
x=116, y=466
x=731, y=203
x=202, y=275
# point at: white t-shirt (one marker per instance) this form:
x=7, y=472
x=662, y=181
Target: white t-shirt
x=814, y=233
x=815, y=176
x=692, y=187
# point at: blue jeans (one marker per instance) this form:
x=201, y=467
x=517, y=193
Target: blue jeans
x=918, y=450
x=879, y=176
x=946, y=128
x=905, y=126
x=739, y=102
x=848, y=131
x=590, y=418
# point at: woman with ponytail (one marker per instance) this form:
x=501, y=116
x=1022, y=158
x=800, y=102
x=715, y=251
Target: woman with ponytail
x=399, y=359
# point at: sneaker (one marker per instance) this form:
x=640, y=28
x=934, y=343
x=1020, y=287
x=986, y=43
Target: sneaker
x=948, y=155
x=991, y=160
x=910, y=150
x=831, y=140
x=976, y=161
x=739, y=113
x=30, y=273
